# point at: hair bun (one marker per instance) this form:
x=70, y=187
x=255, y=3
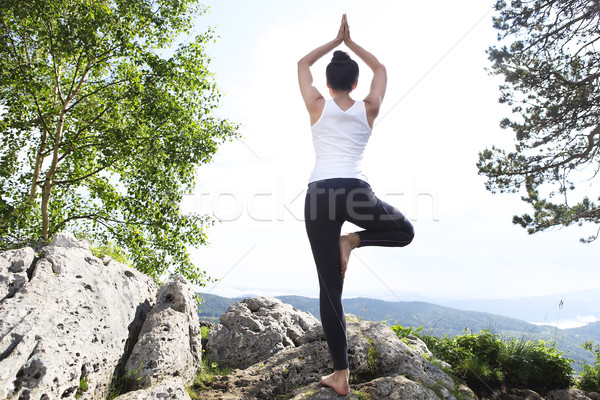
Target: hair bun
x=340, y=57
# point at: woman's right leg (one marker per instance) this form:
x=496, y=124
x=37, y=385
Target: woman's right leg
x=383, y=224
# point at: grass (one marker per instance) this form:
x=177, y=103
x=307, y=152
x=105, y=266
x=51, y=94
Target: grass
x=209, y=371
x=372, y=357
x=83, y=386
x=123, y=383
x=361, y=395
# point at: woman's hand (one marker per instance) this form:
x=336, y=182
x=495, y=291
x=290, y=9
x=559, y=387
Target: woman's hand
x=341, y=36
x=346, y=30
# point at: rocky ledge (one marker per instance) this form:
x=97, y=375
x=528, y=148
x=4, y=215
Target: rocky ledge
x=73, y=326
x=280, y=353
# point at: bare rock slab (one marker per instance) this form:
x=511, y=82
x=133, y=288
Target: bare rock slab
x=169, y=389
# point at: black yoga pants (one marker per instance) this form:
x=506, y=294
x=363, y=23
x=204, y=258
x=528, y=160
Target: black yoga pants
x=328, y=204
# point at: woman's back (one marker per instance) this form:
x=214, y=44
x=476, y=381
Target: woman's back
x=339, y=140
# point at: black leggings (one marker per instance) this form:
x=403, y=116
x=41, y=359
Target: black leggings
x=328, y=204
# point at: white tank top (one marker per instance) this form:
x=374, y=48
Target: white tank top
x=339, y=139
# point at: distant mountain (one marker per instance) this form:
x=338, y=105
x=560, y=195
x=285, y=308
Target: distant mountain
x=212, y=306
x=539, y=309
x=435, y=320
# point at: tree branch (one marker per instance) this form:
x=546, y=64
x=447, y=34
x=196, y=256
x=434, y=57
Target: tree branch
x=80, y=178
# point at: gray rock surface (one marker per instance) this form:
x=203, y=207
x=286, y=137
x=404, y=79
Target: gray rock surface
x=169, y=344
x=572, y=394
x=380, y=363
x=386, y=388
x=254, y=329
x=14, y=265
x=526, y=394
x=69, y=323
x=169, y=389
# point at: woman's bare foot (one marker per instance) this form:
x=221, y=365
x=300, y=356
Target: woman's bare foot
x=347, y=244
x=338, y=381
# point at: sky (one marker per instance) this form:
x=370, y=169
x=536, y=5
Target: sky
x=441, y=109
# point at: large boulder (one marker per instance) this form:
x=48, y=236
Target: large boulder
x=381, y=364
x=68, y=325
x=254, y=329
x=169, y=344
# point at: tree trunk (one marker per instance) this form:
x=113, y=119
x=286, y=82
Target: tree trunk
x=48, y=182
x=39, y=160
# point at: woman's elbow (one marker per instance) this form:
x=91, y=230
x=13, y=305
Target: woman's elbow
x=380, y=68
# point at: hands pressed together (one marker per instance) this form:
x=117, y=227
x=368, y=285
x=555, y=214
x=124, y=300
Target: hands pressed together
x=344, y=32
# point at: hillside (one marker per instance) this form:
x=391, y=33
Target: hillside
x=435, y=320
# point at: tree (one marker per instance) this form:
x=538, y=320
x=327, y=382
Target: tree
x=102, y=130
x=547, y=57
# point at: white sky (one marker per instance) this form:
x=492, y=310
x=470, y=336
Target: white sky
x=440, y=110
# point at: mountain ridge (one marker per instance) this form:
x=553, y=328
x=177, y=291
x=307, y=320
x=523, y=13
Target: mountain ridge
x=435, y=320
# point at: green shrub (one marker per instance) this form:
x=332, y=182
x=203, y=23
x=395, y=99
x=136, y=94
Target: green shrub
x=113, y=251
x=473, y=359
x=485, y=362
x=535, y=366
x=590, y=374
x=403, y=332
x=204, y=332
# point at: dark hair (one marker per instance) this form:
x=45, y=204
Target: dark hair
x=342, y=72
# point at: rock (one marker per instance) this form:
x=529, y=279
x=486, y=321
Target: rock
x=254, y=329
x=65, y=330
x=387, y=388
x=517, y=394
x=572, y=394
x=375, y=350
x=14, y=265
x=169, y=344
x=375, y=353
x=67, y=239
x=562, y=394
x=465, y=392
x=169, y=389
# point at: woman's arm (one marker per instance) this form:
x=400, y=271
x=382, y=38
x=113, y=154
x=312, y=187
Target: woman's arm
x=378, y=84
x=313, y=99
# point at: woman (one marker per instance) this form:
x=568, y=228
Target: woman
x=338, y=190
